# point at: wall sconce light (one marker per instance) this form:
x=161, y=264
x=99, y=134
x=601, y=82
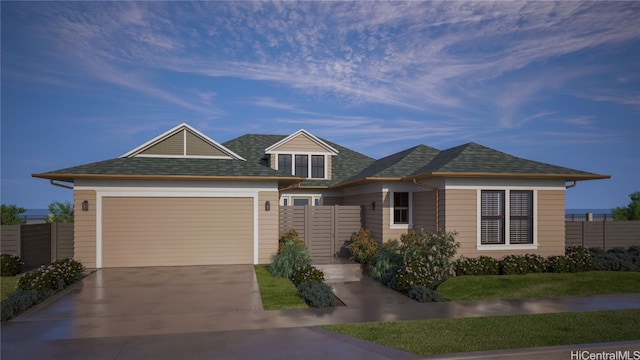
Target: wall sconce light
x=267, y=206
x=85, y=205
x=373, y=205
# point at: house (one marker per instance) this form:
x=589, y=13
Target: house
x=184, y=199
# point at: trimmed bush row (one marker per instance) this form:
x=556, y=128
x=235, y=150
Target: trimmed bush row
x=294, y=262
x=37, y=285
x=575, y=259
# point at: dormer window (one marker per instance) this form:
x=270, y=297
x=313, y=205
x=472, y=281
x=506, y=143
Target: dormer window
x=298, y=165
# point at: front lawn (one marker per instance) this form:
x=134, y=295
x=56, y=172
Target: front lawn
x=485, y=287
x=7, y=286
x=441, y=336
x=277, y=294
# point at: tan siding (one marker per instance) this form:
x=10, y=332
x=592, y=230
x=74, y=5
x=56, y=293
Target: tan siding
x=84, y=229
x=461, y=216
x=551, y=209
x=300, y=143
x=424, y=211
x=273, y=161
x=372, y=218
x=197, y=146
x=173, y=145
x=329, y=166
x=268, y=226
x=177, y=231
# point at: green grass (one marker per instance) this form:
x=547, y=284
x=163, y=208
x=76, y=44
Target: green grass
x=7, y=286
x=441, y=336
x=277, y=294
x=485, y=287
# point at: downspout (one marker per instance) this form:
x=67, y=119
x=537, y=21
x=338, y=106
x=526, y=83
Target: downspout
x=60, y=185
x=572, y=185
x=437, y=190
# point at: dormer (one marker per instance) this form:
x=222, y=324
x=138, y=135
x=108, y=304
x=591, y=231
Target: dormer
x=183, y=141
x=302, y=154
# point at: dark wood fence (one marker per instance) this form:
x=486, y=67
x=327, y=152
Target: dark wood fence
x=324, y=229
x=37, y=244
x=602, y=234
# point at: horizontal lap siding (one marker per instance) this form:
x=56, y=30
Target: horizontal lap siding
x=551, y=209
x=372, y=219
x=461, y=216
x=84, y=229
x=300, y=143
x=268, y=226
x=424, y=211
x=177, y=231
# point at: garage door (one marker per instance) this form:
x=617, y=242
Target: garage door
x=142, y=231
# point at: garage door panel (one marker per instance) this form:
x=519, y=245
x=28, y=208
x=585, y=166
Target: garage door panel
x=177, y=231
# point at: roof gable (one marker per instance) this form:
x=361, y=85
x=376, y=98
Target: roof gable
x=301, y=141
x=183, y=141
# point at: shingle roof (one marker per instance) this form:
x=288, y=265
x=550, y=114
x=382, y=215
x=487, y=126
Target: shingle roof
x=344, y=165
x=399, y=164
x=475, y=158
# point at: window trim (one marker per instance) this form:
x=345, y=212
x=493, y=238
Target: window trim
x=507, y=221
x=392, y=223
x=293, y=154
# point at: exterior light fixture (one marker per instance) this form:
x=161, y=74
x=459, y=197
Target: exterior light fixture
x=373, y=205
x=267, y=206
x=85, y=205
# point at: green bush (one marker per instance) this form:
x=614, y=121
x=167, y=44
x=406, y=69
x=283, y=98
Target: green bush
x=20, y=301
x=363, y=248
x=616, y=259
x=427, y=259
x=53, y=277
x=10, y=265
x=308, y=273
x=482, y=265
x=386, y=264
x=423, y=294
x=578, y=258
x=522, y=264
x=317, y=294
x=292, y=256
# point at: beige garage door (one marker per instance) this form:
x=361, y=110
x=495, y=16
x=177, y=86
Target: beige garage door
x=141, y=231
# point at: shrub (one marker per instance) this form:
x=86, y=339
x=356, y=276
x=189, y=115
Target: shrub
x=616, y=259
x=483, y=265
x=522, y=264
x=291, y=257
x=427, y=259
x=20, y=301
x=386, y=264
x=579, y=259
x=10, y=265
x=317, y=294
x=363, y=247
x=308, y=273
x=53, y=277
x=424, y=294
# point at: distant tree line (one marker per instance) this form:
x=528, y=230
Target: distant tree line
x=59, y=212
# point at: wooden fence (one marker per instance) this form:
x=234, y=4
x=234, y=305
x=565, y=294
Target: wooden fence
x=37, y=244
x=324, y=229
x=602, y=234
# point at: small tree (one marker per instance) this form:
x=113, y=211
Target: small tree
x=11, y=215
x=60, y=212
x=630, y=212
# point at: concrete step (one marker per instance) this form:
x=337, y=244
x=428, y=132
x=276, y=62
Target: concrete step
x=340, y=272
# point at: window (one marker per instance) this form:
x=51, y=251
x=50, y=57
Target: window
x=302, y=166
x=317, y=166
x=492, y=227
x=521, y=219
x=284, y=163
x=500, y=226
x=401, y=208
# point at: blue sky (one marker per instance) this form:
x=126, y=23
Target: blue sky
x=552, y=82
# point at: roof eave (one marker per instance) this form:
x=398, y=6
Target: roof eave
x=72, y=177
x=567, y=177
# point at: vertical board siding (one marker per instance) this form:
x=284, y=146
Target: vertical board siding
x=268, y=226
x=10, y=239
x=603, y=234
x=176, y=231
x=324, y=229
x=84, y=231
x=35, y=245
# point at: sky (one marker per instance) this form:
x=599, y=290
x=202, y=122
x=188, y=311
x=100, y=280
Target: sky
x=552, y=82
